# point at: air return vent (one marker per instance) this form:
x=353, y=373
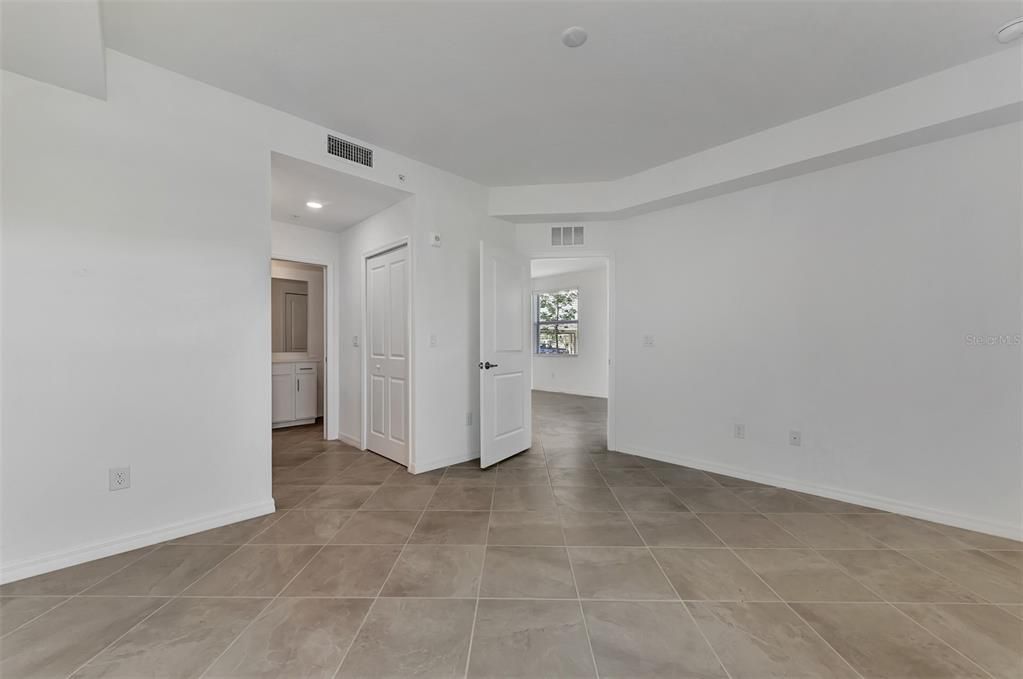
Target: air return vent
x=567, y=235
x=342, y=148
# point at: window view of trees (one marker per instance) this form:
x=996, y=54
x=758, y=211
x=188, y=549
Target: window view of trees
x=557, y=322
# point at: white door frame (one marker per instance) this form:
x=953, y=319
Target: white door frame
x=405, y=242
x=608, y=257
x=331, y=380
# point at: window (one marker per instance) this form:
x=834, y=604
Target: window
x=557, y=323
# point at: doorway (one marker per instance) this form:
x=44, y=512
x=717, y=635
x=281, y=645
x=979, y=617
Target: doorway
x=298, y=312
x=387, y=352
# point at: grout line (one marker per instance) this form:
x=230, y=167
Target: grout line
x=383, y=583
x=479, y=585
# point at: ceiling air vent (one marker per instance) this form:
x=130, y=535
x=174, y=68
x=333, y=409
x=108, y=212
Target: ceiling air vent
x=342, y=148
x=567, y=235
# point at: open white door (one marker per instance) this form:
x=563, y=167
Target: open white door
x=505, y=355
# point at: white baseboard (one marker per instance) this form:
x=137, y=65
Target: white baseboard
x=589, y=394
x=25, y=568
x=350, y=440
x=969, y=522
x=430, y=465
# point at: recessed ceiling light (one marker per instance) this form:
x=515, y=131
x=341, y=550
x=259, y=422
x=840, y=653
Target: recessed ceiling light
x=314, y=205
x=1010, y=31
x=574, y=36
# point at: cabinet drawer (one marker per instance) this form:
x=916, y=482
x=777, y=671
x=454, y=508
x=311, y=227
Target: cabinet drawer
x=305, y=368
x=283, y=369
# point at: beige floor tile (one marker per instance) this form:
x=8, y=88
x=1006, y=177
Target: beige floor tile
x=896, y=577
x=607, y=461
x=711, y=500
x=467, y=476
x=826, y=504
x=232, y=534
x=577, y=478
x=673, y=529
x=401, y=477
x=167, y=571
x=15, y=611
x=683, y=477
x=627, y=573
x=523, y=498
x=1012, y=558
x=345, y=570
x=527, y=459
x=711, y=574
x=735, y=481
x=767, y=641
x=361, y=476
x=804, y=575
x=377, y=528
x=773, y=500
x=525, y=528
x=451, y=528
x=748, y=530
x=254, y=571
x=58, y=642
x=535, y=476
x=586, y=499
x=645, y=499
x=987, y=635
x=1014, y=609
x=303, y=527
x=181, y=639
x=992, y=578
x=400, y=497
x=599, y=529
x=900, y=532
x=824, y=531
x=74, y=579
x=977, y=540
x=294, y=638
x=570, y=460
x=527, y=572
x=412, y=638
x=436, y=571
x=648, y=639
x=879, y=641
x=530, y=639
x=478, y=498
x=629, y=477
x=289, y=497
x=339, y=497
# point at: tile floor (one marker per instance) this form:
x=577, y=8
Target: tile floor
x=564, y=561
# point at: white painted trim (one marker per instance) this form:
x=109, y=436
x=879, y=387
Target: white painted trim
x=403, y=242
x=588, y=394
x=72, y=557
x=941, y=516
x=447, y=462
x=350, y=440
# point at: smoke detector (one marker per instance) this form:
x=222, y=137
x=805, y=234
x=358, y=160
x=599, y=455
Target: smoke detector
x=1010, y=31
x=574, y=36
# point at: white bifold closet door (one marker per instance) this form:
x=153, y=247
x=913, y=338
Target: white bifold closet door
x=387, y=354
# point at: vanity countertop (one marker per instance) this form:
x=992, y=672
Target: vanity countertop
x=296, y=359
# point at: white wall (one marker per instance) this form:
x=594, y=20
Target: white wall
x=584, y=374
x=313, y=277
x=147, y=345
x=840, y=304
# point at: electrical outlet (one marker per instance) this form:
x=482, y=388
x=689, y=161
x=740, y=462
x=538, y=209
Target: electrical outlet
x=355, y=340
x=740, y=431
x=648, y=340
x=120, y=478
x=433, y=340
x=468, y=419
x=795, y=437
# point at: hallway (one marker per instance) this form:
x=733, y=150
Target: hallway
x=566, y=560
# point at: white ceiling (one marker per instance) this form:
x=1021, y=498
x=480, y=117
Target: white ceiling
x=346, y=199
x=486, y=89
x=540, y=268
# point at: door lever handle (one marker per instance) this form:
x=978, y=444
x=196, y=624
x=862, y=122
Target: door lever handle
x=488, y=365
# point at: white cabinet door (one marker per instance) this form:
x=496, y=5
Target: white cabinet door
x=387, y=354
x=283, y=398
x=305, y=396
x=506, y=367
